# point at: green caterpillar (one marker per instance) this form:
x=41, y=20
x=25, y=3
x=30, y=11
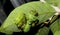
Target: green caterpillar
x=28, y=12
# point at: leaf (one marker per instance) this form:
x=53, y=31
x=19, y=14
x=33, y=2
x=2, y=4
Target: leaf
x=9, y=29
x=43, y=31
x=57, y=33
x=55, y=26
x=54, y=2
x=44, y=11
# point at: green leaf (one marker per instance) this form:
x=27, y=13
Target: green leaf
x=43, y=31
x=57, y=33
x=44, y=11
x=54, y=2
x=9, y=29
x=55, y=26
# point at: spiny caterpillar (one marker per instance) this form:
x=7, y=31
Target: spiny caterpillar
x=24, y=15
